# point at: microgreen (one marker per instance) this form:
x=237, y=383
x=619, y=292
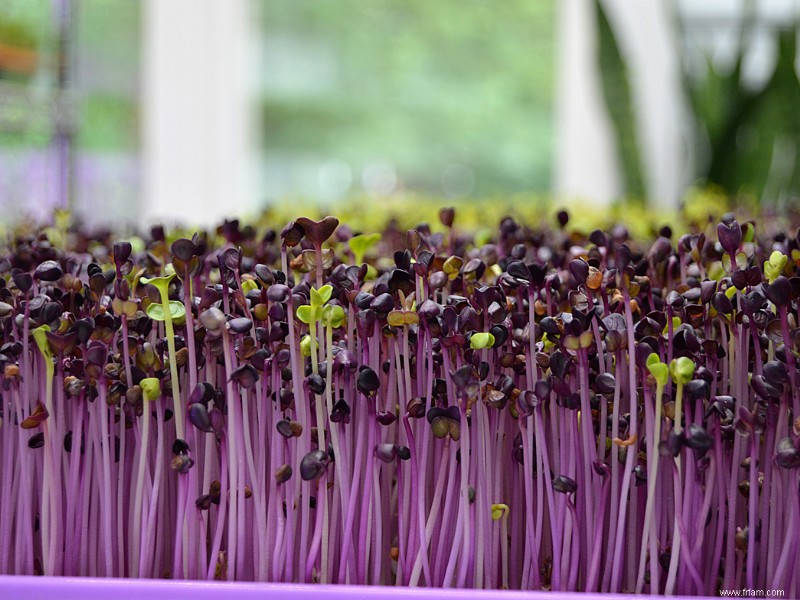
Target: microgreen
x=773, y=267
x=166, y=313
x=523, y=407
x=360, y=244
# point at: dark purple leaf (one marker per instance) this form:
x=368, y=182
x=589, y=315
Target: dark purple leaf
x=313, y=465
x=730, y=236
x=49, y=270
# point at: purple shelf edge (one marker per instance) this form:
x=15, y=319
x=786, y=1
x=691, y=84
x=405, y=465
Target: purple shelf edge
x=75, y=588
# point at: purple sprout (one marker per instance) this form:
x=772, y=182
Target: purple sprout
x=547, y=411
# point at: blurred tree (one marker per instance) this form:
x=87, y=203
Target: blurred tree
x=414, y=83
x=747, y=136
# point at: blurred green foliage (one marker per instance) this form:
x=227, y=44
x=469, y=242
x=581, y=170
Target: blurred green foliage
x=750, y=138
x=747, y=138
x=22, y=24
x=421, y=84
x=17, y=33
x=418, y=84
x=107, y=50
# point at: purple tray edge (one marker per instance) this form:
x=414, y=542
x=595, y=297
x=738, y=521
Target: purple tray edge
x=75, y=588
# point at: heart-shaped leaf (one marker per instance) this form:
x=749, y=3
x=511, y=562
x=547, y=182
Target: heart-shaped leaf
x=333, y=316
x=177, y=311
x=318, y=231
x=308, y=313
x=659, y=371
x=359, y=245
x=773, y=267
x=321, y=296
x=681, y=370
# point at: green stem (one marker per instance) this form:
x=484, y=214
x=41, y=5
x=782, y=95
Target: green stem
x=651, y=488
x=173, y=366
x=48, y=529
x=676, y=538
x=137, y=499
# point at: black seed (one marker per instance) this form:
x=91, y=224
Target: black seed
x=313, y=465
x=284, y=427
x=316, y=383
x=368, y=381
x=385, y=452
x=283, y=474
x=180, y=446
x=564, y=485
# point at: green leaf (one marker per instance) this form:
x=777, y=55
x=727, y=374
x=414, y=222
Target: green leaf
x=321, y=296
x=585, y=339
x=498, y=510
x=177, y=311
x=681, y=370
x=40, y=337
x=676, y=321
x=548, y=343
x=452, y=266
x=775, y=265
x=754, y=134
x=151, y=388
x=716, y=271
x=359, y=245
x=308, y=314
x=481, y=340
x=248, y=285
x=161, y=283
x=305, y=345
x=741, y=261
x=395, y=318
x=333, y=316
x=658, y=369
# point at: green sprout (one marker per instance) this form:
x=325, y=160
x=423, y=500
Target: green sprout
x=332, y=317
x=407, y=315
x=305, y=345
x=151, y=388
x=660, y=372
x=359, y=245
x=681, y=370
x=481, y=340
x=177, y=312
x=676, y=321
x=248, y=285
x=49, y=476
x=775, y=265
x=169, y=312
x=311, y=313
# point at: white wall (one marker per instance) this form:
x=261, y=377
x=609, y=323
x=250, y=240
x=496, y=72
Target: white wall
x=199, y=120
x=587, y=164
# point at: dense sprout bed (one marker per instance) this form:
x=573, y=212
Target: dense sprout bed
x=546, y=410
